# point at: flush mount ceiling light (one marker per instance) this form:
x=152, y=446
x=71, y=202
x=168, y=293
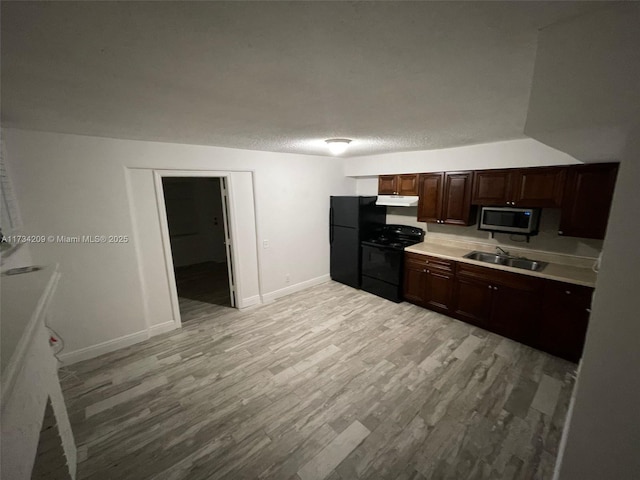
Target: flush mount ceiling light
x=338, y=145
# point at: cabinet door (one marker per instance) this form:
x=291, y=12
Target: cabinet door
x=439, y=290
x=514, y=312
x=492, y=187
x=415, y=282
x=587, y=200
x=430, y=202
x=472, y=301
x=407, y=184
x=562, y=327
x=387, y=184
x=539, y=187
x=456, y=199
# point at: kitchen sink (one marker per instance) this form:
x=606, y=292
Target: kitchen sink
x=506, y=260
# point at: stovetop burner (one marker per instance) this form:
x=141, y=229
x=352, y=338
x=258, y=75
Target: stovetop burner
x=396, y=236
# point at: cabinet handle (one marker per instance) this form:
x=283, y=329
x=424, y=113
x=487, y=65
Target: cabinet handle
x=495, y=288
x=588, y=310
x=568, y=292
x=560, y=232
x=426, y=261
x=424, y=271
x=490, y=287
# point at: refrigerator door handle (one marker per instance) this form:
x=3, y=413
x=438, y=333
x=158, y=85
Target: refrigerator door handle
x=330, y=225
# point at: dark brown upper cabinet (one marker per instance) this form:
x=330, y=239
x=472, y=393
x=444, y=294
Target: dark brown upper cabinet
x=539, y=187
x=405, y=184
x=445, y=197
x=587, y=200
x=492, y=187
x=521, y=187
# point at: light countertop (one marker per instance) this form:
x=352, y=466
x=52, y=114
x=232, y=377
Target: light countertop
x=578, y=274
x=22, y=299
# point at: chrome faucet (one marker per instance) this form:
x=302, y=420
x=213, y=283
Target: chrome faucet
x=500, y=250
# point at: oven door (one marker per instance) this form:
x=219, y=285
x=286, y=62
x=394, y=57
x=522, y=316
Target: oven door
x=382, y=263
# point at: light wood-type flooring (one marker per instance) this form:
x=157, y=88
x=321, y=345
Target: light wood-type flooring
x=328, y=383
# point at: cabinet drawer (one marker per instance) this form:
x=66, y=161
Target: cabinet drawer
x=577, y=296
x=428, y=261
x=500, y=277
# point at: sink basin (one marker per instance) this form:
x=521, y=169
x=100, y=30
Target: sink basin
x=526, y=264
x=487, y=257
x=506, y=260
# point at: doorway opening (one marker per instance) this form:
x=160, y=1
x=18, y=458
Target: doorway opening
x=197, y=212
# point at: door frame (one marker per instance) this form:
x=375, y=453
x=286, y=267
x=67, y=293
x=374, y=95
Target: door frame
x=158, y=175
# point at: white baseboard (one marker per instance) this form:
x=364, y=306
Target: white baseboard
x=249, y=302
x=93, y=351
x=104, y=347
x=162, y=328
x=271, y=296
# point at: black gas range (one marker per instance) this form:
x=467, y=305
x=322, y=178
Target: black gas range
x=382, y=259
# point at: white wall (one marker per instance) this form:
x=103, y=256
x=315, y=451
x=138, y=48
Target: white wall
x=604, y=430
x=585, y=93
x=586, y=100
x=75, y=185
x=157, y=274
x=513, y=153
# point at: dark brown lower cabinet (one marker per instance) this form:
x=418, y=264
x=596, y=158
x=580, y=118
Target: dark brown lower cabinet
x=415, y=282
x=562, y=326
x=428, y=282
x=503, y=302
x=514, y=312
x=544, y=314
x=473, y=301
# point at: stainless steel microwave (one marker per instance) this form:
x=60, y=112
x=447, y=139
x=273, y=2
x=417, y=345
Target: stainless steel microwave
x=524, y=221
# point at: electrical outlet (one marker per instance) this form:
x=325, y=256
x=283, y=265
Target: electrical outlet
x=265, y=243
x=286, y=278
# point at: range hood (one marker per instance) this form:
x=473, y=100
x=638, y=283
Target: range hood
x=397, y=200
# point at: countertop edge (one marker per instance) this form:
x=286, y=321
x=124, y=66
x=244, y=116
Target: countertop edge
x=504, y=268
x=15, y=362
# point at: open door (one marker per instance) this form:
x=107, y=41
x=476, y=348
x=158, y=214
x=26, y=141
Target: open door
x=227, y=239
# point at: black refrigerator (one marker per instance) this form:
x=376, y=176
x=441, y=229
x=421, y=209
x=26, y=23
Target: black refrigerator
x=351, y=219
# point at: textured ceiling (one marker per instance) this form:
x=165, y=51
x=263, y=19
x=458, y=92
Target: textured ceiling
x=275, y=76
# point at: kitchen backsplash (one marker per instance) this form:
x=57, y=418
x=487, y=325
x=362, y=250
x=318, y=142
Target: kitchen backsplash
x=547, y=239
